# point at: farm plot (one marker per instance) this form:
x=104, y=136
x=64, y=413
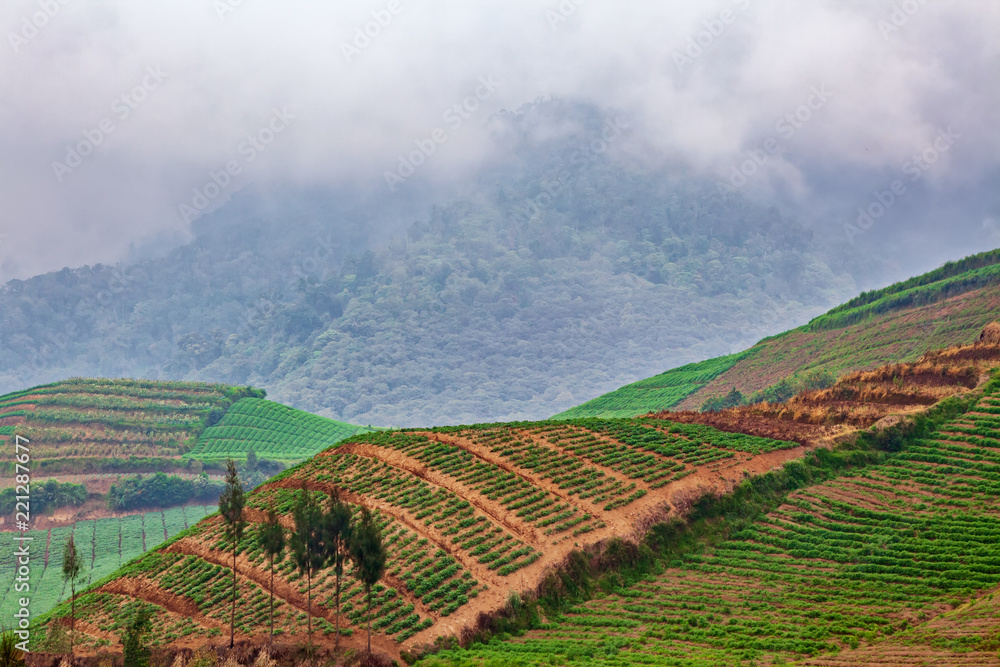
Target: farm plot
x=104, y=545
x=841, y=564
x=509, y=492
x=274, y=431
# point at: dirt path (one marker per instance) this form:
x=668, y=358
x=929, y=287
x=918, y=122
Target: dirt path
x=142, y=588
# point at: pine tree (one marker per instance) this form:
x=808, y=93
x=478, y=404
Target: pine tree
x=369, y=556
x=71, y=568
x=231, y=505
x=337, y=540
x=308, y=547
x=272, y=542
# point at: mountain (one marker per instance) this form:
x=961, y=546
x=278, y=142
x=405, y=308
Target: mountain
x=898, y=323
x=891, y=483
x=557, y=273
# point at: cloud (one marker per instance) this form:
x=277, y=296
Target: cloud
x=702, y=83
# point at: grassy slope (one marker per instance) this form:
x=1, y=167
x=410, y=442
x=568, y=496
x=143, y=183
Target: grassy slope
x=275, y=431
x=944, y=307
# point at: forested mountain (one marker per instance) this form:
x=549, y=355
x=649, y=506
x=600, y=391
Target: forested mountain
x=563, y=273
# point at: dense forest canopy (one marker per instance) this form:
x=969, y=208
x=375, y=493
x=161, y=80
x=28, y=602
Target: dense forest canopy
x=565, y=273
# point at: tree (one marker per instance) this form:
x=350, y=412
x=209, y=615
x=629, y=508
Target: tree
x=251, y=466
x=337, y=539
x=71, y=567
x=135, y=651
x=231, y=505
x=10, y=655
x=272, y=542
x=369, y=556
x=307, y=543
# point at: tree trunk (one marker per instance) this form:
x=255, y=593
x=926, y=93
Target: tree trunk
x=271, y=568
x=309, y=603
x=336, y=640
x=368, y=589
x=72, y=616
x=232, y=616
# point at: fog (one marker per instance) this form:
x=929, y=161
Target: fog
x=122, y=122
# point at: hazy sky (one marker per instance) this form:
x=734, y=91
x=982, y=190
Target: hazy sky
x=117, y=115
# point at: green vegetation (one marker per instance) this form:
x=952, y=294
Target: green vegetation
x=231, y=507
x=875, y=328
x=72, y=566
x=272, y=431
x=905, y=521
x=95, y=425
x=46, y=496
x=160, y=490
x=659, y=392
x=104, y=546
x=924, y=291
x=965, y=268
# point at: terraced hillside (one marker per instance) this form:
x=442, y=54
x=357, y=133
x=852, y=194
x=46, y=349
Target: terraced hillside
x=104, y=544
x=273, y=430
x=472, y=513
x=887, y=564
x=899, y=323
x=99, y=426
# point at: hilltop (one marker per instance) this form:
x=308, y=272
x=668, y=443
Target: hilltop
x=474, y=513
x=898, y=323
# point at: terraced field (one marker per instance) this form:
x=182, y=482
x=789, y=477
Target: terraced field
x=862, y=569
x=275, y=432
x=104, y=544
x=469, y=513
x=96, y=426
x=942, y=308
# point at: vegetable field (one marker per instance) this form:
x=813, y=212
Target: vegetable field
x=275, y=431
x=659, y=392
x=82, y=426
x=849, y=563
x=104, y=545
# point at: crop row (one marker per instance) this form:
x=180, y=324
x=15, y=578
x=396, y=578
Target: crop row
x=848, y=561
x=512, y=492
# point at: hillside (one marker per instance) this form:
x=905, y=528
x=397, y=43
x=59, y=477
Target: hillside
x=472, y=513
x=896, y=324
x=892, y=563
x=546, y=282
x=95, y=433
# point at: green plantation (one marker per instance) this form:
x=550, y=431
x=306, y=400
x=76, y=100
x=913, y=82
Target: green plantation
x=104, y=544
x=659, y=392
x=862, y=557
x=274, y=431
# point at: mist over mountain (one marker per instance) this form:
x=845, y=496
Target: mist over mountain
x=566, y=269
